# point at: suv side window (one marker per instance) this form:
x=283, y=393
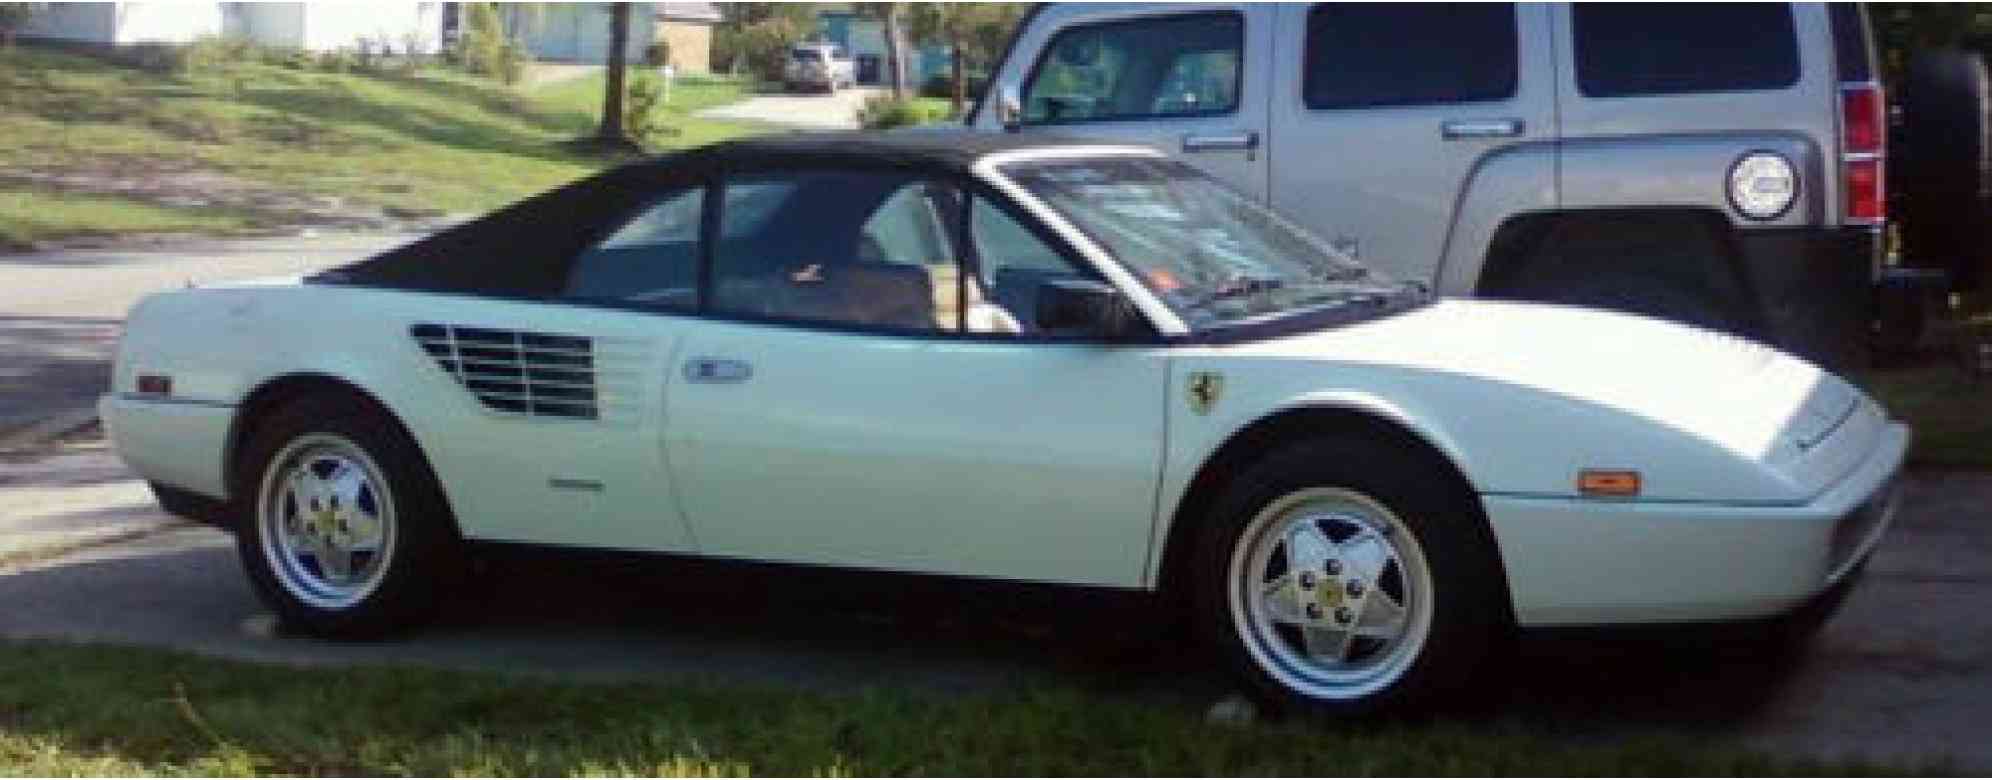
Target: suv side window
x=1369, y=55
x=1159, y=66
x=1629, y=49
x=653, y=259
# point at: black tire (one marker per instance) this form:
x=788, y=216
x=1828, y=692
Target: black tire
x=422, y=553
x=1667, y=269
x=1942, y=163
x=1468, y=607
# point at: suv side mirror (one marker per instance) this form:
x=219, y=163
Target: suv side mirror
x=1010, y=108
x=1083, y=306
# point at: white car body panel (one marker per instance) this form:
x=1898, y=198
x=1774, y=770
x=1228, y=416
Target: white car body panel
x=1065, y=463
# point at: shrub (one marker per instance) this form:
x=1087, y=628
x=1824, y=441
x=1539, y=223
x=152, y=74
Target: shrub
x=883, y=113
x=484, y=49
x=941, y=85
x=642, y=117
x=657, y=54
x=338, y=61
x=761, y=48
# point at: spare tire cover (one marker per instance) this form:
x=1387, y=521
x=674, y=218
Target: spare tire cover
x=1942, y=163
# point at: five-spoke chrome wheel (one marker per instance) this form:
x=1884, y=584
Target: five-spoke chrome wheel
x=327, y=521
x=1331, y=593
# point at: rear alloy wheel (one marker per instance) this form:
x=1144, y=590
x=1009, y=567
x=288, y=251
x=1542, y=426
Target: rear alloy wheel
x=349, y=535
x=1348, y=575
x=326, y=519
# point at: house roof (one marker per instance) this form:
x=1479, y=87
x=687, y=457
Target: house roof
x=688, y=12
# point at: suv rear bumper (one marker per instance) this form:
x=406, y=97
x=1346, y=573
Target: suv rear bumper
x=1814, y=289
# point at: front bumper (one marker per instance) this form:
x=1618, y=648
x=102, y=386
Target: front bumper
x=1584, y=562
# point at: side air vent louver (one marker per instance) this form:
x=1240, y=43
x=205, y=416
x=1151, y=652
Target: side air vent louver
x=522, y=372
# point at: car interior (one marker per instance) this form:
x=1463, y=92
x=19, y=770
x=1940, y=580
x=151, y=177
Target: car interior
x=855, y=249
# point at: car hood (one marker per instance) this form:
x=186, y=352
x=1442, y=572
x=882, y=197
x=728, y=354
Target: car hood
x=1751, y=402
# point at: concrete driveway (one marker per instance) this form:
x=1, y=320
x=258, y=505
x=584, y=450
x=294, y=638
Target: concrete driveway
x=61, y=312
x=1905, y=671
x=799, y=111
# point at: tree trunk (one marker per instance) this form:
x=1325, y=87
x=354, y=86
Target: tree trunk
x=895, y=53
x=960, y=76
x=612, y=98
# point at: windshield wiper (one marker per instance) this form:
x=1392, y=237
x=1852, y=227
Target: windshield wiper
x=1240, y=287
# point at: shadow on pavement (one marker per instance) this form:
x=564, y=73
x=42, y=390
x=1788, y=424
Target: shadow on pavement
x=52, y=362
x=619, y=621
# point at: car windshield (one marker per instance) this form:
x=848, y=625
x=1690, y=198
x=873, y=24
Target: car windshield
x=807, y=55
x=1216, y=257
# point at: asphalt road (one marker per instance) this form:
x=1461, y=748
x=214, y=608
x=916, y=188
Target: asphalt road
x=1904, y=672
x=60, y=312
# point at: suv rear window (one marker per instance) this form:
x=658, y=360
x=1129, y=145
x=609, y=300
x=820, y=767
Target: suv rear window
x=1850, y=42
x=1362, y=55
x=1626, y=49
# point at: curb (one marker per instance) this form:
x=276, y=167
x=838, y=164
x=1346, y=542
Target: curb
x=46, y=429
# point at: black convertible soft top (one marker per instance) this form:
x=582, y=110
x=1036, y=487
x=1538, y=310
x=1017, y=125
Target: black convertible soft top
x=523, y=249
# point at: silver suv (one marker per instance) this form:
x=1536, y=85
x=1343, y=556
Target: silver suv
x=824, y=66
x=1717, y=164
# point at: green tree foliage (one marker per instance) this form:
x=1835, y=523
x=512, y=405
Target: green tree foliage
x=755, y=37
x=1901, y=29
x=13, y=17
x=975, y=34
x=485, y=48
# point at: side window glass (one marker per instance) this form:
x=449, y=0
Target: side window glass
x=1163, y=66
x=1628, y=49
x=1368, y=55
x=1013, y=264
x=848, y=248
x=653, y=259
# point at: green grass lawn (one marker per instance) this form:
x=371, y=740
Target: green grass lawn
x=435, y=141
x=1950, y=415
x=83, y=710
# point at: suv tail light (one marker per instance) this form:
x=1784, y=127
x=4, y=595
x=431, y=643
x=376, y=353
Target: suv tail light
x=1863, y=145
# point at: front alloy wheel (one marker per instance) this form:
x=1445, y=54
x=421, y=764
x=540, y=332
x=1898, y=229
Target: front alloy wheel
x=1331, y=593
x=1349, y=574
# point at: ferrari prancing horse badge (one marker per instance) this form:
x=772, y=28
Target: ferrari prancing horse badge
x=1205, y=387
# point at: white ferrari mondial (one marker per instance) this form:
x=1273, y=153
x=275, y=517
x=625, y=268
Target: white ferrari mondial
x=1008, y=358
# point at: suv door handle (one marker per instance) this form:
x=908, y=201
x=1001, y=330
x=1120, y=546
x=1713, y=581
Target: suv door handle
x=1481, y=128
x=1241, y=141
x=718, y=371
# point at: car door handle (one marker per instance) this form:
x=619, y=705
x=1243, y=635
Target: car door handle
x=1241, y=141
x=1481, y=128
x=717, y=371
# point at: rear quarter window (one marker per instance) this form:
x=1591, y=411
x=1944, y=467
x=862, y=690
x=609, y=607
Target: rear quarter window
x=1631, y=49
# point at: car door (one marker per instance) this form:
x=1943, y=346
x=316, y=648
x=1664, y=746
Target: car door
x=552, y=430
x=861, y=399
x=1388, y=113
x=1189, y=79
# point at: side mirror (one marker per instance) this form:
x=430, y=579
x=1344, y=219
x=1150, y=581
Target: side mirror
x=1083, y=306
x=1010, y=108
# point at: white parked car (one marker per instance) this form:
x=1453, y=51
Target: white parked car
x=823, y=66
x=1001, y=357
